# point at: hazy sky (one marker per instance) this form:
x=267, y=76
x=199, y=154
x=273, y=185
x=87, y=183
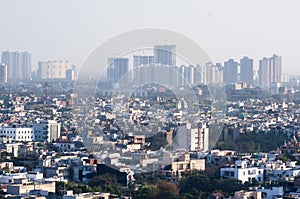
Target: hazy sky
x=71, y=29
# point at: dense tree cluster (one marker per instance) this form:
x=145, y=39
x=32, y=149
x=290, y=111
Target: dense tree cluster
x=254, y=142
x=101, y=183
x=193, y=185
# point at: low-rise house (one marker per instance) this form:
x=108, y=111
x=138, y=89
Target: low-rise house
x=247, y=194
x=65, y=146
x=25, y=188
x=92, y=195
x=274, y=192
x=243, y=171
x=184, y=163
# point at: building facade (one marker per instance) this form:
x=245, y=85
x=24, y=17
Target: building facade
x=18, y=133
x=243, y=171
x=46, y=131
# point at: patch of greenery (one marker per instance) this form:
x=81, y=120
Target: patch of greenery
x=253, y=142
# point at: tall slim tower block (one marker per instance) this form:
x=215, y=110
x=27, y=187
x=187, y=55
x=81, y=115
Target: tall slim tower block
x=246, y=70
x=230, y=72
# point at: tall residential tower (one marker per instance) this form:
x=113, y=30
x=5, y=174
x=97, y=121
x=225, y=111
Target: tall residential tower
x=165, y=54
x=246, y=70
x=270, y=71
x=230, y=72
x=18, y=65
x=117, y=67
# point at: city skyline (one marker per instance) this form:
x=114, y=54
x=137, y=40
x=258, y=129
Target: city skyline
x=231, y=71
x=252, y=33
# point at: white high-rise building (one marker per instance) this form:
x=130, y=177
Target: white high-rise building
x=270, y=71
x=210, y=74
x=275, y=69
x=54, y=69
x=264, y=79
x=18, y=65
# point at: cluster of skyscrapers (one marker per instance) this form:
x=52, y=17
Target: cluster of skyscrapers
x=161, y=68
x=17, y=66
x=270, y=71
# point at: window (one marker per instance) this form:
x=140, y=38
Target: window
x=180, y=166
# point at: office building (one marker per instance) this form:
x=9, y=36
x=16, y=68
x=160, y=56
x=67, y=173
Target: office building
x=117, y=67
x=54, y=70
x=3, y=73
x=246, y=70
x=165, y=54
x=230, y=74
x=18, y=65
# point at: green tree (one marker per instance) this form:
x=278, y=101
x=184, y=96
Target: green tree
x=108, y=183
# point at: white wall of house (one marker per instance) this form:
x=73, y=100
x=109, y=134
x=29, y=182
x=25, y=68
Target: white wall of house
x=18, y=133
x=243, y=172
